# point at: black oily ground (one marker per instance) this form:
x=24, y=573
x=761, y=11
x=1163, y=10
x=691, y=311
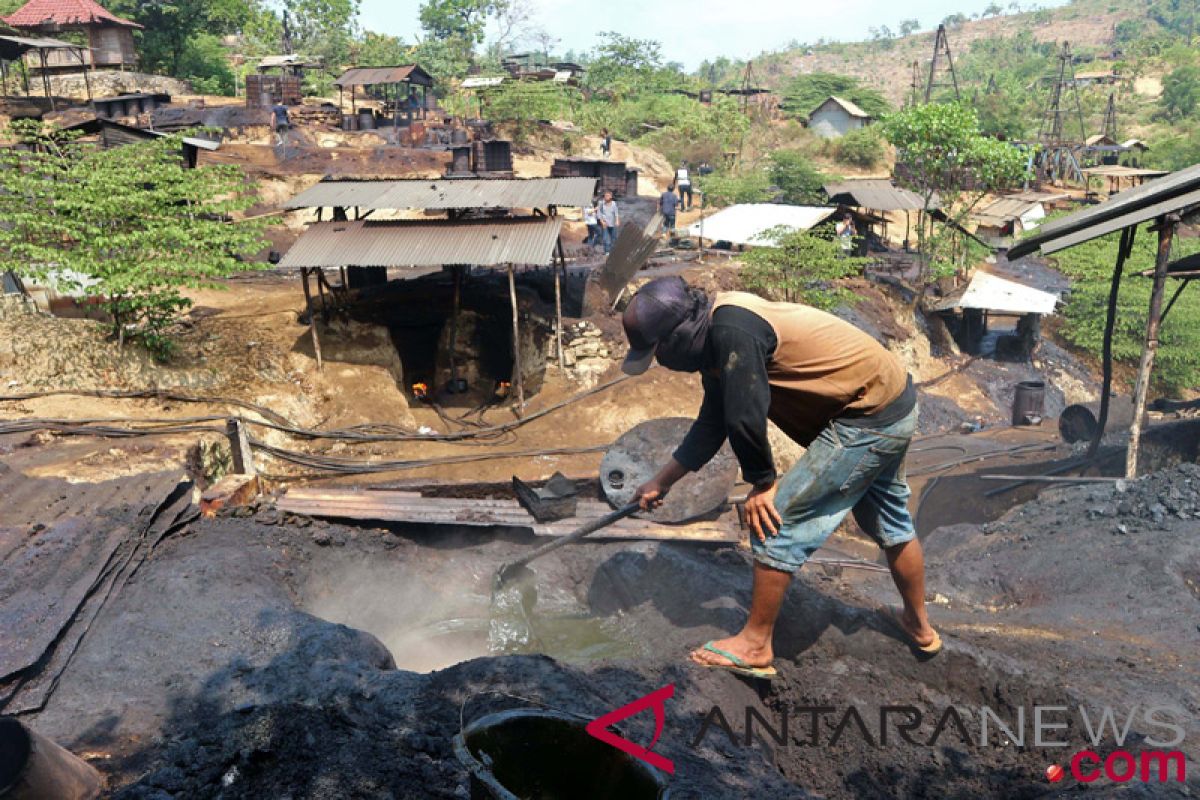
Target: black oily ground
x=1160, y=501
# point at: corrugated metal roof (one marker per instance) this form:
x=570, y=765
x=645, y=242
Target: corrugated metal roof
x=992, y=293
x=1120, y=171
x=1131, y=207
x=417, y=243
x=1005, y=209
x=41, y=43
x=878, y=194
x=370, y=76
x=745, y=224
x=448, y=193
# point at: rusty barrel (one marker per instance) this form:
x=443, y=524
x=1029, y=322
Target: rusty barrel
x=1078, y=423
x=34, y=768
x=1029, y=402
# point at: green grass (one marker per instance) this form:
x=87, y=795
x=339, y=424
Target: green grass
x=1090, y=266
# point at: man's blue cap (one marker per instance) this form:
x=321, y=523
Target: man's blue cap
x=653, y=313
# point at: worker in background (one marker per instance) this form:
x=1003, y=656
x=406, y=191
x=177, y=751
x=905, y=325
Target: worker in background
x=684, y=182
x=592, y=221
x=845, y=235
x=610, y=220
x=606, y=143
x=667, y=205
x=279, y=113
x=828, y=386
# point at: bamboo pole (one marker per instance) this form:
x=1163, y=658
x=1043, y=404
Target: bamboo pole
x=559, y=270
x=1166, y=234
x=518, y=384
x=312, y=318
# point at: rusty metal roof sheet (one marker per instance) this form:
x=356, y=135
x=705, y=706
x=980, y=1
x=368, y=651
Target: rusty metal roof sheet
x=1005, y=209
x=1134, y=206
x=448, y=193
x=748, y=223
x=877, y=194
x=417, y=243
x=371, y=76
x=993, y=293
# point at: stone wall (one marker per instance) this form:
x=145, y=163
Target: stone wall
x=108, y=83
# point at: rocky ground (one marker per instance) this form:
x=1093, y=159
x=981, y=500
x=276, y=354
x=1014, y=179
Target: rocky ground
x=262, y=696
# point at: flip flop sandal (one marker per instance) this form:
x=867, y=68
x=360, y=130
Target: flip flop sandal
x=737, y=665
x=892, y=615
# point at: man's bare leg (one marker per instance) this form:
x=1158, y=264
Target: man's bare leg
x=907, y=563
x=753, y=643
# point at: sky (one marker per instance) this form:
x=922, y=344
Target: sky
x=692, y=31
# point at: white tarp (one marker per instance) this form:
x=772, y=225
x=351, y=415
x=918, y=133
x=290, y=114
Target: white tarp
x=1033, y=217
x=745, y=224
x=481, y=83
x=1000, y=295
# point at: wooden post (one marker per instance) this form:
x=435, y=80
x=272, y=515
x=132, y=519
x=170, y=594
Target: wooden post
x=46, y=78
x=239, y=445
x=87, y=81
x=312, y=318
x=1166, y=233
x=518, y=384
x=559, y=270
x=1110, y=323
x=454, y=314
x=321, y=292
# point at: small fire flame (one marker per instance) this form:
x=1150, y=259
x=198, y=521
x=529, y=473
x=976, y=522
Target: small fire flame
x=420, y=390
x=502, y=388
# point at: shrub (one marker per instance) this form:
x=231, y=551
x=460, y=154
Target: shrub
x=860, y=148
x=803, y=267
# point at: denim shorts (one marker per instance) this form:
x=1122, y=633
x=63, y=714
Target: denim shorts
x=846, y=468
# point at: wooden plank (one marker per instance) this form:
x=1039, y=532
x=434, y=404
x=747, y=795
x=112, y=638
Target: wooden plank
x=405, y=507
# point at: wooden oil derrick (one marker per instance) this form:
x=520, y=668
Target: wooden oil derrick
x=1058, y=160
x=1109, y=128
x=941, y=67
x=914, y=88
x=747, y=85
x=1052, y=132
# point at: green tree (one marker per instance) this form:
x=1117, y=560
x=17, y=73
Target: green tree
x=1181, y=92
x=909, y=26
x=622, y=66
x=798, y=181
x=801, y=267
x=727, y=190
x=805, y=92
x=169, y=29
x=860, y=148
x=323, y=28
x=131, y=226
x=463, y=20
x=943, y=152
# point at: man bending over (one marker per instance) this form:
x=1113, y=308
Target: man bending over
x=830, y=387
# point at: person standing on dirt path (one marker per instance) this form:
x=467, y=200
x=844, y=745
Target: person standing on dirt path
x=279, y=114
x=668, y=203
x=684, y=181
x=592, y=221
x=830, y=387
x=845, y=235
x=610, y=220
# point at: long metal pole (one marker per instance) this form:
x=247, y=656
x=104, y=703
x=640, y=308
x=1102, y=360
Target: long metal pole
x=312, y=318
x=1110, y=324
x=559, y=269
x=1166, y=234
x=516, y=337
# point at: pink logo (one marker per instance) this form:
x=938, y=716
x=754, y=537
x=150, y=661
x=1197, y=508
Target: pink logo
x=656, y=700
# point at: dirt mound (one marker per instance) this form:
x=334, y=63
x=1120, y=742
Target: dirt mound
x=263, y=699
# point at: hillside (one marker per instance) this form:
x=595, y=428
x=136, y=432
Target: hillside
x=886, y=64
